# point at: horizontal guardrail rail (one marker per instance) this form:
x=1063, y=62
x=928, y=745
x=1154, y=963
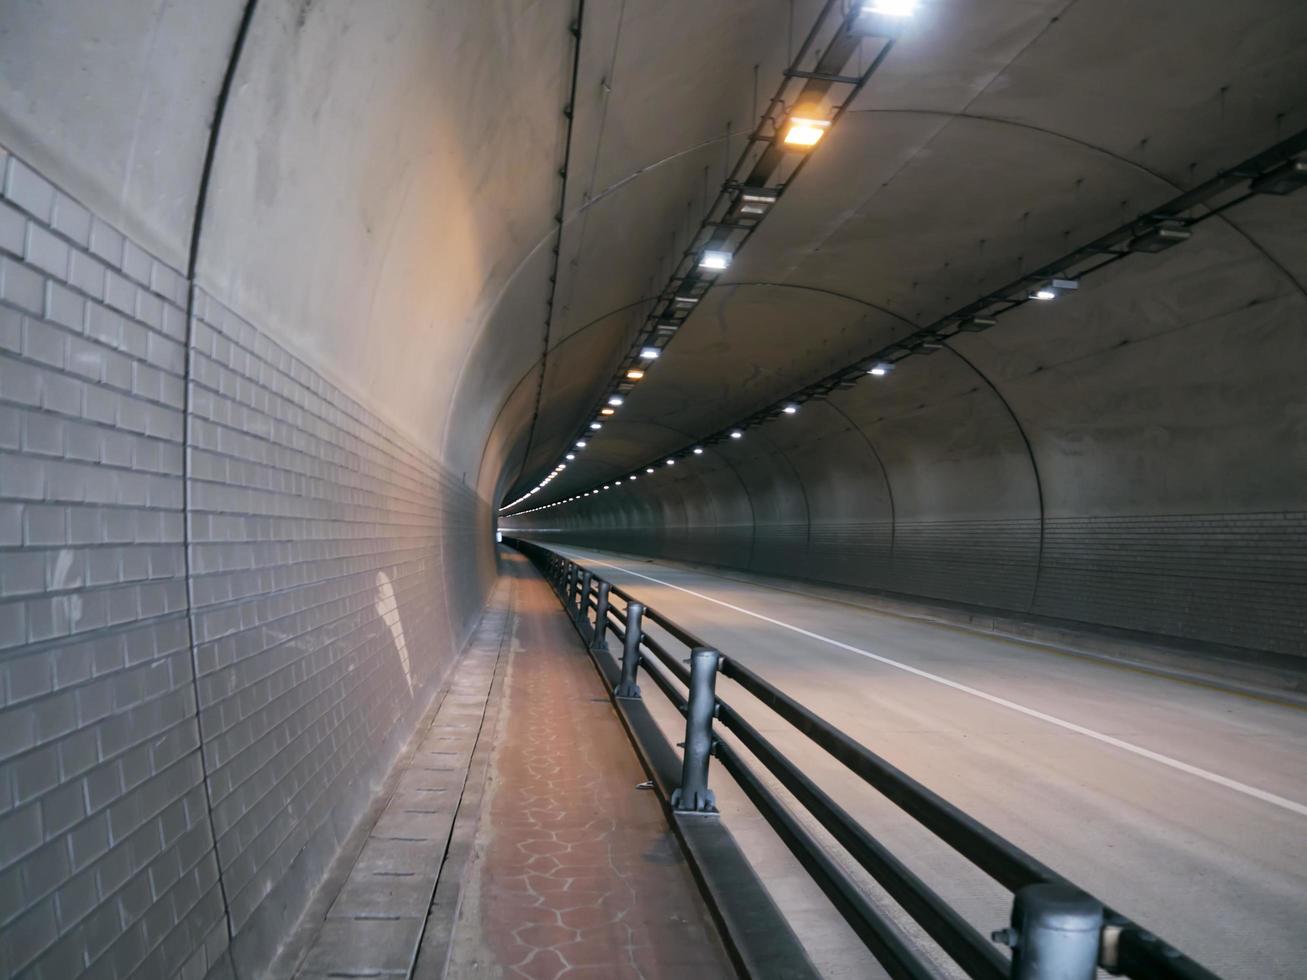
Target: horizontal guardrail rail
x=1057, y=931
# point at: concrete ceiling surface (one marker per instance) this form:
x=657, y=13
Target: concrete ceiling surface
x=995, y=138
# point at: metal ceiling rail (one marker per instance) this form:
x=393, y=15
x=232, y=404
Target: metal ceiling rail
x=1277, y=170
x=762, y=173
x=1057, y=931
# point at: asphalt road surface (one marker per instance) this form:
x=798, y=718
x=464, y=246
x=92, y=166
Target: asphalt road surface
x=1180, y=804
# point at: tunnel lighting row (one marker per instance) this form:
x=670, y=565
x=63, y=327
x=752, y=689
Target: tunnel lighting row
x=773, y=156
x=1279, y=171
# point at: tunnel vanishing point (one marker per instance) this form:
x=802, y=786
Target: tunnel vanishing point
x=653, y=488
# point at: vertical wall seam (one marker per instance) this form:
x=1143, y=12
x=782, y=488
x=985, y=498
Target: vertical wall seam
x=570, y=110
x=884, y=474
x=192, y=264
x=1034, y=468
x=753, y=511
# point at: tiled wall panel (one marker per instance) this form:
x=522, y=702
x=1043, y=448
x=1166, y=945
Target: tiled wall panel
x=319, y=551
x=335, y=569
x=107, y=863
x=1238, y=580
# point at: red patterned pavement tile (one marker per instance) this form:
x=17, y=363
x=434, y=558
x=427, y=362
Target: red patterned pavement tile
x=578, y=876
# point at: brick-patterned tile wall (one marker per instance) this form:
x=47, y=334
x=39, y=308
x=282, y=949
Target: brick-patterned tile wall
x=320, y=543
x=107, y=861
x=1239, y=580
x=321, y=614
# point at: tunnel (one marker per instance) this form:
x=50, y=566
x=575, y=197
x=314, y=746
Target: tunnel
x=938, y=367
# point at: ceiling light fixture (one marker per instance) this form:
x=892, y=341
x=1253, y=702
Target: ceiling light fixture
x=1166, y=234
x=635, y=374
x=804, y=132
x=596, y=425
x=1284, y=179
x=790, y=409
x=975, y=324
x=882, y=18
x=1054, y=289
x=650, y=353
x=571, y=455
x=893, y=8
x=698, y=450
x=737, y=434
x=671, y=462
x=715, y=260
x=580, y=444
x=615, y=400
x=752, y=203
x=880, y=369
x=607, y=411
x=648, y=469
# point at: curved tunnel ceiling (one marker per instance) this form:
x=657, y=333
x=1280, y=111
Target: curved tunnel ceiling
x=995, y=138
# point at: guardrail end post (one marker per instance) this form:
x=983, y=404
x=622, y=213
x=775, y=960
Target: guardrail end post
x=1055, y=933
x=627, y=687
x=599, y=637
x=693, y=795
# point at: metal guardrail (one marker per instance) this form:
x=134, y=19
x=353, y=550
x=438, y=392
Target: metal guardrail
x=1057, y=931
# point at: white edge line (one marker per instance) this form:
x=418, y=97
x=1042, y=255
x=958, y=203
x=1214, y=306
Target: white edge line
x=1260, y=794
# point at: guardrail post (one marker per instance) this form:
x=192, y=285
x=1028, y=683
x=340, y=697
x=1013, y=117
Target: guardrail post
x=569, y=585
x=599, y=638
x=693, y=795
x=627, y=687
x=583, y=600
x=1055, y=933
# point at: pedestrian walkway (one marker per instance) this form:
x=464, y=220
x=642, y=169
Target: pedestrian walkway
x=518, y=842
x=576, y=873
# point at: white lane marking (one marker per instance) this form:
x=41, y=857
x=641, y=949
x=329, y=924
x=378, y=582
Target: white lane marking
x=1260, y=794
